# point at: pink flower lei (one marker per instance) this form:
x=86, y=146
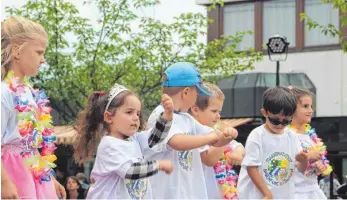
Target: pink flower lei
x=226, y=176
x=35, y=128
x=317, y=145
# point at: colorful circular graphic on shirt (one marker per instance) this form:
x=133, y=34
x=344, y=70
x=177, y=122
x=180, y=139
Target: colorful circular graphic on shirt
x=185, y=158
x=137, y=189
x=278, y=168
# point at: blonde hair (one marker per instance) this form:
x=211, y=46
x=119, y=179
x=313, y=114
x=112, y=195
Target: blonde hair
x=16, y=31
x=202, y=101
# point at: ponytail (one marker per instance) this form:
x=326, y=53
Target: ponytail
x=90, y=127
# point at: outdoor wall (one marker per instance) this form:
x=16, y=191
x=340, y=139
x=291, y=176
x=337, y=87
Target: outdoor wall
x=326, y=69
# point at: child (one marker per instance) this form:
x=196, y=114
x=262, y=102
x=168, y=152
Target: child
x=272, y=151
x=186, y=144
x=119, y=170
x=220, y=179
x=25, y=117
x=306, y=185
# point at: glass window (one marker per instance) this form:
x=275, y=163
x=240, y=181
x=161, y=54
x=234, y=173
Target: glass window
x=237, y=18
x=323, y=14
x=279, y=19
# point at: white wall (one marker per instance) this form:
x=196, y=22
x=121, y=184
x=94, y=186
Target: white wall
x=328, y=72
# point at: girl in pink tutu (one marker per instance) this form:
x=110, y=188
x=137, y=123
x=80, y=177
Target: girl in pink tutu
x=25, y=116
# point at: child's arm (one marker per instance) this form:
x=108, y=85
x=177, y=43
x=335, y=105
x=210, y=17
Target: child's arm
x=163, y=123
x=236, y=156
x=211, y=156
x=183, y=142
x=301, y=161
x=8, y=189
x=226, y=136
x=258, y=181
x=148, y=168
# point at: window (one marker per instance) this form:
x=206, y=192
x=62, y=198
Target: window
x=240, y=17
x=279, y=19
x=324, y=14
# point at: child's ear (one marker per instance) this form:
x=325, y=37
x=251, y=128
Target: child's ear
x=185, y=92
x=263, y=112
x=195, y=110
x=108, y=117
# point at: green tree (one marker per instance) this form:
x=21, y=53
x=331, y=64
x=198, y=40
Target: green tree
x=113, y=52
x=330, y=29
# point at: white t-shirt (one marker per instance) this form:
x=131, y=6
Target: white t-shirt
x=308, y=181
x=187, y=180
x=113, y=159
x=9, y=122
x=274, y=155
x=213, y=189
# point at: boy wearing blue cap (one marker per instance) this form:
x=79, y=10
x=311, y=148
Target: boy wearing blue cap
x=187, y=144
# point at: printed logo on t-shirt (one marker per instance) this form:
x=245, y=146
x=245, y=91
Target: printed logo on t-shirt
x=137, y=189
x=278, y=168
x=185, y=158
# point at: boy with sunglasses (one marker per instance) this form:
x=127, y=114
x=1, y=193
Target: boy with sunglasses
x=272, y=151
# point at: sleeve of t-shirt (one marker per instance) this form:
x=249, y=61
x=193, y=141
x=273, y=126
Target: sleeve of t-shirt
x=5, y=115
x=253, y=150
x=200, y=129
x=234, y=144
x=116, y=161
x=152, y=119
x=164, y=146
x=5, y=107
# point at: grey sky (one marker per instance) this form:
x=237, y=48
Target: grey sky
x=165, y=11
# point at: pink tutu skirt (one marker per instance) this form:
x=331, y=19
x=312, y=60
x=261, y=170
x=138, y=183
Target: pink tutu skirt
x=28, y=187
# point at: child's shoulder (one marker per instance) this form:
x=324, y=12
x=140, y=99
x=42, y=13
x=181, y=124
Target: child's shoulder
x=6, y=94
x=260, y=130
x=256, y=134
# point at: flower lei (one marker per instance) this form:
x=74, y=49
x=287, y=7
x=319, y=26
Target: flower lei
x=226, y=175
x=318, y=145
x=35, y=128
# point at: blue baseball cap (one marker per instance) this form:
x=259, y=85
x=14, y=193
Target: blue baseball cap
x=185, y=74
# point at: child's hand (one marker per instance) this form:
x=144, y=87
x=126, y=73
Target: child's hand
x=59, y=189
x=167, y=103
x=319, y=167
x=302, y=158
x=224, y=138
x=8, y=190
x=230, y=132
x=314, y=155
x=268, y=196
x=213, y=136
x=234, y=158
x=166, y=166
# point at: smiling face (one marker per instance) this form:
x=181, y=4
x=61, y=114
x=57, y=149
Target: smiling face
x=304, y=110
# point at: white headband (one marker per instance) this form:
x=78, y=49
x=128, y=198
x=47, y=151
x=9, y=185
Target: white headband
x=115, y=90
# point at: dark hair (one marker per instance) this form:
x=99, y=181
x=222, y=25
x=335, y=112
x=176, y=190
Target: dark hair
x=279, y=100
x=299, y=92
x=91, y=124
x=80, y=190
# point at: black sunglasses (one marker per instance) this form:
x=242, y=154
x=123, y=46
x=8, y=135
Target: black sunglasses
x=276, y=121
